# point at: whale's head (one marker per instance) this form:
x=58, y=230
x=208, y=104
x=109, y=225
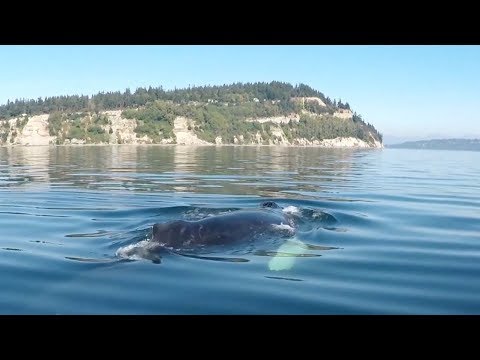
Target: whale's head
x=270, y=204
x=171, y=234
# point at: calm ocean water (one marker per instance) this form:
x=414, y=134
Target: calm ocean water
x=404, y=226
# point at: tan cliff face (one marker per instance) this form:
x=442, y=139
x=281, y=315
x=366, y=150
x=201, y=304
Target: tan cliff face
x=343, y=114
x=35, y=131
x=277, y=119
x=185, y=136
x=303, y=100
x=122, y=129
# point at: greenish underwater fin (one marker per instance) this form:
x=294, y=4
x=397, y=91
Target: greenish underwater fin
x=286, y=255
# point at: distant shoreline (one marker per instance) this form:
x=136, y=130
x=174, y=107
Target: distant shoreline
x=454, y=144
x=199, y=145
x=36, y=131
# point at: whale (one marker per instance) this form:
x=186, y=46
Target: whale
x=234, y=227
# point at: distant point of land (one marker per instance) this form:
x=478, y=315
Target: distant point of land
x=274, y=113
x=440, y=144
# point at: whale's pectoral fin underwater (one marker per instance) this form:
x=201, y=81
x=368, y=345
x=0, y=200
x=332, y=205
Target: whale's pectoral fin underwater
x=286, y=255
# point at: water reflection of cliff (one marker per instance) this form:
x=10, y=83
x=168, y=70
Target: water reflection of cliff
x=23, y=166
x=229, y=170
x=102, y=167
x=264, y=171
x=279, y=171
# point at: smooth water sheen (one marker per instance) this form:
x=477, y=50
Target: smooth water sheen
x=404, y=225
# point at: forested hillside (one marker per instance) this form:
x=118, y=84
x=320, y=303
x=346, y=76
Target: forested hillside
x=238, y=113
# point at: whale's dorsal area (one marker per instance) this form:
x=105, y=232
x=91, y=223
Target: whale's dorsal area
x=227, y=228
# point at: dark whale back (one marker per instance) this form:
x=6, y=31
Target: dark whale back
x=236, y=226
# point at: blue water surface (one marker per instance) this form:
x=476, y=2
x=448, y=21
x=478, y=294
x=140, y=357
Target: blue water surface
x=404, y=226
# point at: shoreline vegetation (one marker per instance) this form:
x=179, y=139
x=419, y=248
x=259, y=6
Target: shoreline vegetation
x=239, y=114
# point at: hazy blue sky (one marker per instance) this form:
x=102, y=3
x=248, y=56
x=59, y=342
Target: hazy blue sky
x=401, y=90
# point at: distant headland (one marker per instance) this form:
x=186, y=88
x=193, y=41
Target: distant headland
x=440, y=144
x=274, y=113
